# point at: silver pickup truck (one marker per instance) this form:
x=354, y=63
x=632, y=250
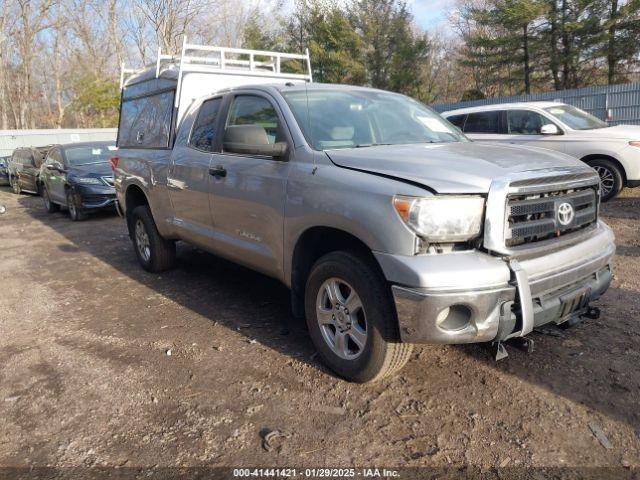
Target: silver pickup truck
x=387, y=224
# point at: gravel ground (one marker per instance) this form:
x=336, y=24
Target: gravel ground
x=105, y=365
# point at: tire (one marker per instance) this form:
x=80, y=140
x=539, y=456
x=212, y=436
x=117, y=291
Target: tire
x=611, y=179
x=49, y=206
x=75, y=212
x=367, y=336
x=154, y=253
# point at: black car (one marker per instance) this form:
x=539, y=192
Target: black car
x=24, y=168
x=4, y=174
x=78, y=176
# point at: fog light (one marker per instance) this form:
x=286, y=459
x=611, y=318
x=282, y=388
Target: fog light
x=455, y=317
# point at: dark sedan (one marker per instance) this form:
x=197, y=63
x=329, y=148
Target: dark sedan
x=78, y=176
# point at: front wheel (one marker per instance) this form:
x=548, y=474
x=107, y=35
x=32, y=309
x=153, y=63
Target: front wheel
x=75, y=211
x=352, y=319
x=611, y=180
x=154, y=253
x=49, y=206
x=15, y=185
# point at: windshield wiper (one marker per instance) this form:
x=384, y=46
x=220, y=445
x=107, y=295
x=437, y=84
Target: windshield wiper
x=364, y=145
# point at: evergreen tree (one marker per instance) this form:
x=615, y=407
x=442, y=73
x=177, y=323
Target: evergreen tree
x=506, y=38
x=336, y=49
x=394, y=52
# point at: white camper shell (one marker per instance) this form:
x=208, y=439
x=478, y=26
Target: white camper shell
x=156, y=98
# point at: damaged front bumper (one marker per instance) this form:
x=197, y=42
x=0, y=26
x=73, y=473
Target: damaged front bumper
x=471, y=297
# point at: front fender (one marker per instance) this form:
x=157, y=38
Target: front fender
x=357, y=203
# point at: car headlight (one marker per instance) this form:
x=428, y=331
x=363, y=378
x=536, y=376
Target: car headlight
x=87, y=180
x=442, y=218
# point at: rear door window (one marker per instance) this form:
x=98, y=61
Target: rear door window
x=484, y=122
x=145, y=122
x=204, y=128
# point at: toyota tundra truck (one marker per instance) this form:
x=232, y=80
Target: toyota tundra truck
x=388, y=225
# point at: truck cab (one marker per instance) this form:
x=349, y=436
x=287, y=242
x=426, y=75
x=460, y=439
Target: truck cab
x=388, y=225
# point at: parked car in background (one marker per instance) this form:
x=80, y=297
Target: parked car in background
x=24, y=169
x=4, y=174
x=614, y=152
x=78, y=176
x=388, y=225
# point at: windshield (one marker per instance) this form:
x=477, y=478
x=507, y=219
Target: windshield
x=576, y=118
x=78, y=156
x=363, y=118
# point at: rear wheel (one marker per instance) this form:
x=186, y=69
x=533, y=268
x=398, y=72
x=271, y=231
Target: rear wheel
x=154, y=253
x=49, y=206
x=611, y=180
x=75, y=211
x=352, y=319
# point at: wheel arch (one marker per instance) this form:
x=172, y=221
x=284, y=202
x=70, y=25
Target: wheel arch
x=595, y=156
x=134, y=197
x=312, y=244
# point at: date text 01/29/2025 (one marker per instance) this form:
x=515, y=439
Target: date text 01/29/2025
x=315, y=473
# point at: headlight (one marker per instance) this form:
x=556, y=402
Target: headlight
x=442, y=218
x=87, y=180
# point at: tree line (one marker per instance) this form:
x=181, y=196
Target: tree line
x=60, y=59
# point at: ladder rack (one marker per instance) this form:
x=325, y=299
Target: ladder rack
x=195, y=58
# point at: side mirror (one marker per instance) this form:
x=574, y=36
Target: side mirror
x=56, y=167
x=275, y=150
x=549, y=129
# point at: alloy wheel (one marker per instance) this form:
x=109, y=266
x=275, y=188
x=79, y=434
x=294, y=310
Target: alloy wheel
x=607, y=179
x=45, y=198
x=142, y=241
x=341, y=318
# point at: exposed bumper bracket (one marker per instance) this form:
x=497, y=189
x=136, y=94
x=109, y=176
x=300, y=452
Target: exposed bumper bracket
x=497, y=350
x=524, y=294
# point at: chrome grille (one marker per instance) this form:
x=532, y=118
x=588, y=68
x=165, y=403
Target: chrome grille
x=534, y=217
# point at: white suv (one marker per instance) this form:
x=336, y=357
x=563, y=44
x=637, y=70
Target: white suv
x=614, y=152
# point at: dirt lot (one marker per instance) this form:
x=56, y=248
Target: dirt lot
x=86, y=379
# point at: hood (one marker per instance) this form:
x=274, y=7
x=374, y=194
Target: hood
x=95, y=170
x=617, y=132
x=462, y=167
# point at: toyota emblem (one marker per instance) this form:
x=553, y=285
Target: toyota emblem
x=565, y=214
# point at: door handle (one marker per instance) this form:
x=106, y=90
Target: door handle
x=218, y=171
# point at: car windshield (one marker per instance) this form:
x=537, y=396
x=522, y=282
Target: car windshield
x=78, y=156
x=363, y=118
x=576, y=118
